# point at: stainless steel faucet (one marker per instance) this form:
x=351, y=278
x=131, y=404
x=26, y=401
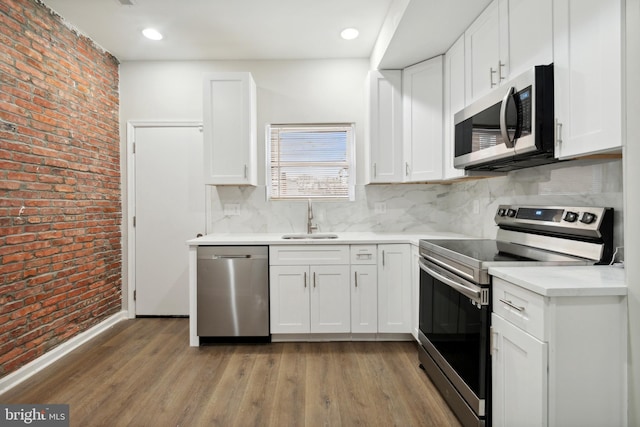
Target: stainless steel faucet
x=310, y=226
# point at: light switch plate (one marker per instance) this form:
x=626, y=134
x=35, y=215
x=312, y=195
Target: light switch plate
x=380, y=208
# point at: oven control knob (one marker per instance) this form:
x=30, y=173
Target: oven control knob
x=571, y=216
x=588, y=218
x=502, y=211
x=511, y=213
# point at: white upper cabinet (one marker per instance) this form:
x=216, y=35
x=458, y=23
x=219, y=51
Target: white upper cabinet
x=509, y=37
x=422, y=118
x=405, y=123
x=385, y=126
x=588, y=76
x=530, y=34
x=453, y=102
x=485, y=67
x=230, y=145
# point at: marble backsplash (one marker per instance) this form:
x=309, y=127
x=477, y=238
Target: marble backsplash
x=427, y=207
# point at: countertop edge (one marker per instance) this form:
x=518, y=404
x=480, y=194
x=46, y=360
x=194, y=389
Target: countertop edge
x=346, y=238
x=565, y=281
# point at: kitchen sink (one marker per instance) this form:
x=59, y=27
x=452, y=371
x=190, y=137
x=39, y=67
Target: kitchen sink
x=301, y=236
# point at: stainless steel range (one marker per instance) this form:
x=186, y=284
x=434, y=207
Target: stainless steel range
x=455, y=291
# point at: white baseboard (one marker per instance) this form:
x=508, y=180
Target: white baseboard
x=35, y=366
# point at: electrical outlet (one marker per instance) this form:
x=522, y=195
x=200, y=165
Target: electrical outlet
x=231, y=209
x=380, y=208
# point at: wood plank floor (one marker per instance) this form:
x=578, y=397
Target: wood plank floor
x=142, y=372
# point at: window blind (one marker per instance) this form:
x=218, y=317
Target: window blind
x=310, y=161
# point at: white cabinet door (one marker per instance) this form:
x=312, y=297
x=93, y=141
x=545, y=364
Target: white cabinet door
x=519, y=376
x=385, y=126
x=330, y=299
x=289, y=299
x=588, y=76
x=454, y=84
x=230, y=144
x=422, y=118
x=485, y=67
x=530, y=34
x=394, y=288
x=364, y=298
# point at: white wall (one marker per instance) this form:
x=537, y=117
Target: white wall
x=298, y=91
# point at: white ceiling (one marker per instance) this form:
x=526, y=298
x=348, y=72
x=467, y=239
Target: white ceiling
x=268, y=29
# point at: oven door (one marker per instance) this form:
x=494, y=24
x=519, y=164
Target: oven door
x=454, y=331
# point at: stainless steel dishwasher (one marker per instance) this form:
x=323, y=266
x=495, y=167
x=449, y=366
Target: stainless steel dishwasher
x=233, y=293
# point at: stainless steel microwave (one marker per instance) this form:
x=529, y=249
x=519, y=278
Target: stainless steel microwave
x=510, y=128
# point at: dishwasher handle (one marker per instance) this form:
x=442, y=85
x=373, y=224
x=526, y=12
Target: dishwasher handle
x=232, y=257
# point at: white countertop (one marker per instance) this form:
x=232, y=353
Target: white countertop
x=344, y=238
x=599, y=280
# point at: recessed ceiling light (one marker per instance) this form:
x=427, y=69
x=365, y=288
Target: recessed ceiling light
x=349, y=33
x=152, y=34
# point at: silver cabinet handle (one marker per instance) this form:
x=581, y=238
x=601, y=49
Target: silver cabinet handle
x=305, y=279
x=245, y=171
x=383, y=258
x=511, y=304
x=559, y=132
x=406, y=168
x=356, y=277
x=491, y=73
x=500, y=75
x=375, y=170
x=314, y=279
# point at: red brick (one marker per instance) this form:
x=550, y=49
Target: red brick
x=60, y=258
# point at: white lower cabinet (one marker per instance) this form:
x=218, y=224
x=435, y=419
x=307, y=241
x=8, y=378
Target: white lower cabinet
x=394, y=288
x=329, y=298
x=364, y=289
x=336, y=289
x=289, y=299
x=519, y=376
x=557, y=361
x=309, y=298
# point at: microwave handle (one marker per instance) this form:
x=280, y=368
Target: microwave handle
x=509, y=142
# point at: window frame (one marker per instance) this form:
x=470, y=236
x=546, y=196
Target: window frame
x=350, y=160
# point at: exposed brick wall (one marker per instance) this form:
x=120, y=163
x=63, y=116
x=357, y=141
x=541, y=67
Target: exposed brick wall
x=60, y=196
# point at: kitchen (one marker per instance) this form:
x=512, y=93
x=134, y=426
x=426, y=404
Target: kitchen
x=336, y=88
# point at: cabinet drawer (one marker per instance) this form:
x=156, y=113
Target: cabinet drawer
x=519, y=306
x=309, y=254
x=364, y=254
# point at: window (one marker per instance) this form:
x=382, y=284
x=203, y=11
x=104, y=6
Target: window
x=310, y=161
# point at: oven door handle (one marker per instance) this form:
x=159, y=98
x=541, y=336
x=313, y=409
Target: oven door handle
x=465, y=290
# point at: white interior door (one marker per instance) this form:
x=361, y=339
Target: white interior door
x=169, y=210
